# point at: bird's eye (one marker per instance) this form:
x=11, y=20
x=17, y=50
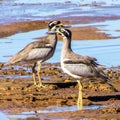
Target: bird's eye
x=62, y=30
x=57, y=26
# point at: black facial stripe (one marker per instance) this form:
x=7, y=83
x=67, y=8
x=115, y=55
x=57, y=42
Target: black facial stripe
x=53, y=23
x=66, y=33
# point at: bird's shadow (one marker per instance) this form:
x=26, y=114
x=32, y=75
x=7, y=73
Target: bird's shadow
x=64, y=84
x=104, y=98
x=115, y=96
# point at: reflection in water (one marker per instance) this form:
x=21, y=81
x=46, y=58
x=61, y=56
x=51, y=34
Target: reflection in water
x=23, y=76
x=40, y=114
x=15, y=76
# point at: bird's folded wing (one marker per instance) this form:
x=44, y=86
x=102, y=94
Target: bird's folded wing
x=84, y=59
x=30, y=50
x=76, y=58
x=69, y=61
x=79, y=68
x=39, y=53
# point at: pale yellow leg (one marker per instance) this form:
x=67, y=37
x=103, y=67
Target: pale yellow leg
x=80, y=101
x=38, y=72
x=34, y=74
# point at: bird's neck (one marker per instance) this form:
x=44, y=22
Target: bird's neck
x=53, y=38
x=66, y=46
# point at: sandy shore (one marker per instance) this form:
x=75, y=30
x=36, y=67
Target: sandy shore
x=19, y=94
x=79, y=33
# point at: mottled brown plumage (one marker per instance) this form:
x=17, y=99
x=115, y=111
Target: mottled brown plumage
x=38, y=51
x=78, y=66
x=45, y=48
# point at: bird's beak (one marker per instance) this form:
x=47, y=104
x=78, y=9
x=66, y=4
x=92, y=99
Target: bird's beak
x=60, y=24
x=58, y=31
x=50, y=32
x=63, y=26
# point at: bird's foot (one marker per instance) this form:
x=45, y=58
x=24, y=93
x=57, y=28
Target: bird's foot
x=35, y=84
x=67, y=80
x=79, y=105
x=41, y=86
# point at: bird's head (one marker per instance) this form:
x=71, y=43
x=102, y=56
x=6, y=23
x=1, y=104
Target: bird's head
x=53, y=25
x=64, y=32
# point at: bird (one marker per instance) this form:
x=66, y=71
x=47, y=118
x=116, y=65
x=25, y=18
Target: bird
x=76, y=65
x=37, y=52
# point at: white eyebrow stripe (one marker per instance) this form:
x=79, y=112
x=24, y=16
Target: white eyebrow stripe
x=53, y=22
x=67, y=32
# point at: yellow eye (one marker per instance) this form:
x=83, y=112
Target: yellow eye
x=62, y=30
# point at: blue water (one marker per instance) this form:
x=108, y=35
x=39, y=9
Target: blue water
x=26, y=10
x=41, y=113
x=108, y=2
x=106, y=51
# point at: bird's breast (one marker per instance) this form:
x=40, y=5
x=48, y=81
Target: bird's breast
x=68, y=71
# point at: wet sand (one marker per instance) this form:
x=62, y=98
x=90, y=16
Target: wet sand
x=18, y=93
x=17, y=27
x=79, y=33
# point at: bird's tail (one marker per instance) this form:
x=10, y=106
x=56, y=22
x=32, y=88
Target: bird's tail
x=107, y=80
x=6, y=64
x=111, y=85
x=1, y=65
x=103, y=76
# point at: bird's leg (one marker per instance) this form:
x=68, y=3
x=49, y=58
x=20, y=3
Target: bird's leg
x=34, y=74
x=38, y=72
x=80, y=102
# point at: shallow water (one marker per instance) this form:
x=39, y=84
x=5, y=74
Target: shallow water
x=3, y=116
x=41, y=113
x=11, y=45
x=106, y=51
x=25, y=10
